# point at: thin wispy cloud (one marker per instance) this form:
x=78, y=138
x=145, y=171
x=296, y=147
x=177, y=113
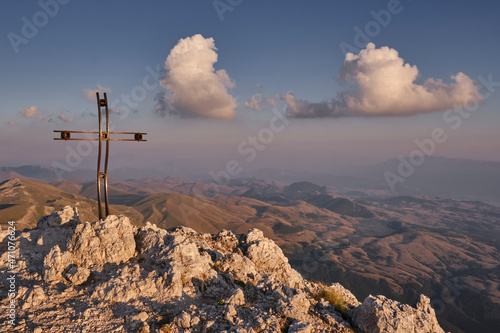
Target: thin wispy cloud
x=65, y=118
x=193, y=87
x=298, y=108
x=11, y=122
x=90, y=94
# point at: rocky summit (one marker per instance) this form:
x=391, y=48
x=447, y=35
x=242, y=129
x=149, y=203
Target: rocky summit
x=109, y=276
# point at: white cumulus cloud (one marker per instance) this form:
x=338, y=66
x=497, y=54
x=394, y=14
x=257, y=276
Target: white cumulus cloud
x=32, y=112
x=194, y=88
x=386, y=85
x=254, y=103
x=257, y=100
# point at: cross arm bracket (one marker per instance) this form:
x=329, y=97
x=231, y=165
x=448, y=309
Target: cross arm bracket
x=105, y=136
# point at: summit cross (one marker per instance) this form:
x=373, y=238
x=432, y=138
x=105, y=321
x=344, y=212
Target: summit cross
x=104, y=135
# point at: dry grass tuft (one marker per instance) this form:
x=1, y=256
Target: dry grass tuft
x=334, y=298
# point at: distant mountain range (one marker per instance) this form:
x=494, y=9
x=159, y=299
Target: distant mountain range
x=47, y=173
x=399, y=246
x=458, y=179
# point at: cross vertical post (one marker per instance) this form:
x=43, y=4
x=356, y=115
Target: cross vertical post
x=104, y=135
x=103, y=175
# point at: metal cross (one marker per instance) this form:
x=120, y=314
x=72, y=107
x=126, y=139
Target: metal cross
x=103, y=136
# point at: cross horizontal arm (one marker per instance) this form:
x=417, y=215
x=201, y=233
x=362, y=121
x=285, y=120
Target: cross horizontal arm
x=98, y=132
x=92, y=139
x=103, y=136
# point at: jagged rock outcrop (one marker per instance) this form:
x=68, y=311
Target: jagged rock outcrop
x=103, y=242
x=380, y=314
x=67, y=216
x=346, y=295
x=112, y=277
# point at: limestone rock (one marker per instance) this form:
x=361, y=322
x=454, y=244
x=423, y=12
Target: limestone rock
x=67, y=217
x=237, y=298
x=300, y=327
x=183, y=320
x=380, y=314
x=34, y=297
x=106, y=241
x=268, y=257
x=77, y=275
x=54, y=264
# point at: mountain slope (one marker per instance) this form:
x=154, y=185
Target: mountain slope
x=25, y=201
x=173, y=209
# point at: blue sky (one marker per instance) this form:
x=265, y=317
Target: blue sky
x=265, y=47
